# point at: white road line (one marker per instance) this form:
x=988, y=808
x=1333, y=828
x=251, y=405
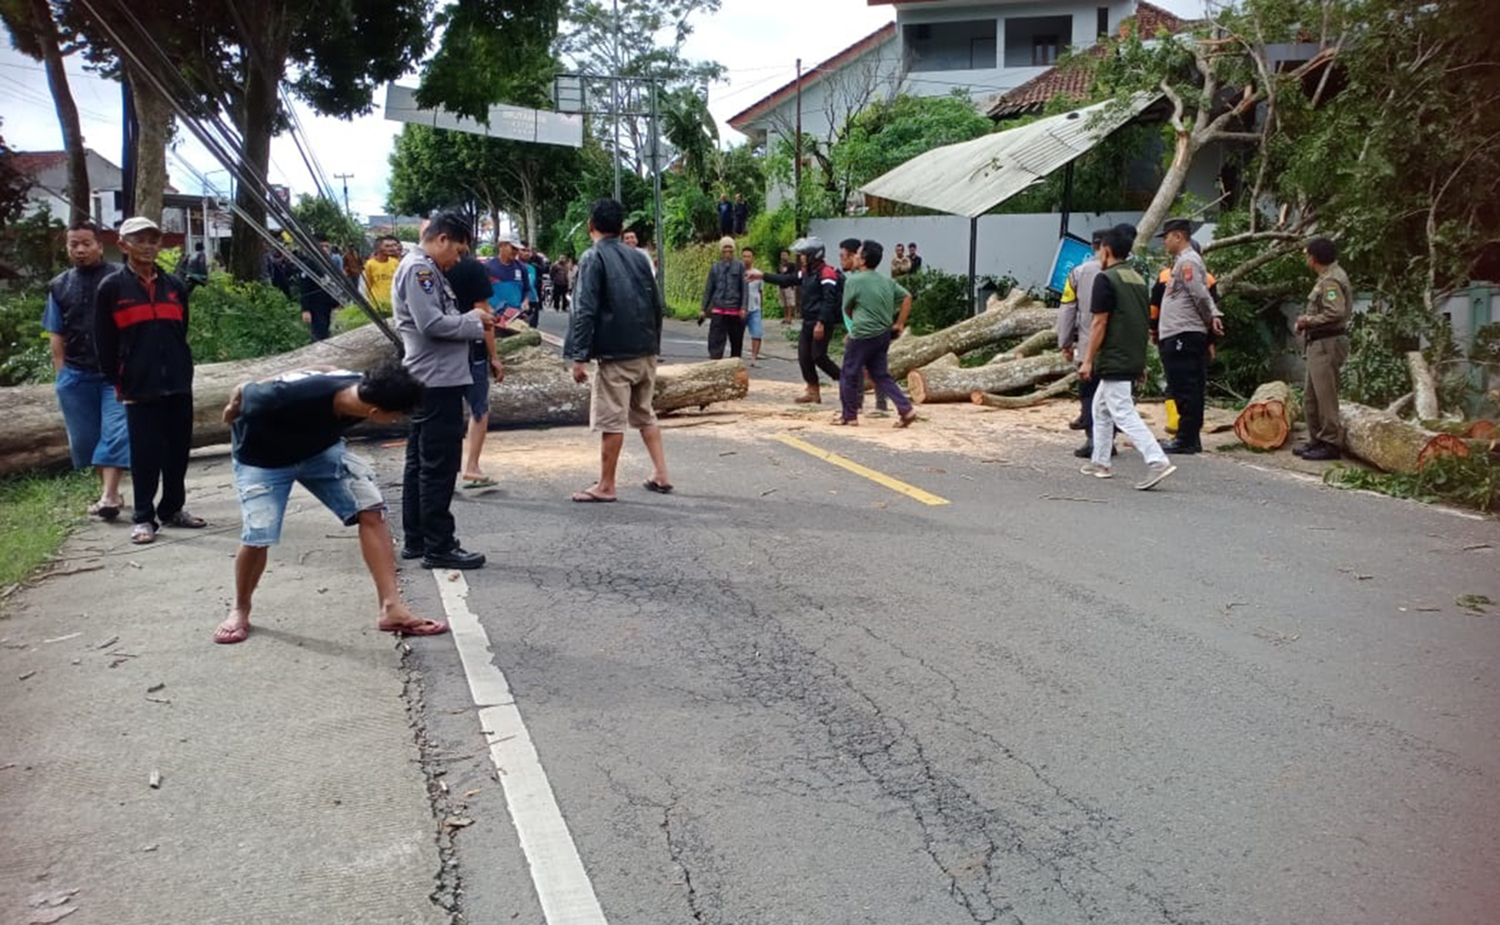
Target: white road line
x=552, y=339
x=562, y=884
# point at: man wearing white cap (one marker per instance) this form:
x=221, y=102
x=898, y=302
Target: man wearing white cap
x=140, y=332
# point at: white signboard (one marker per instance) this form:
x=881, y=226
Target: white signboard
x=513, y=122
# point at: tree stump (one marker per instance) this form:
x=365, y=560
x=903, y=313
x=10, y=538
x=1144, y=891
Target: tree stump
x=1267, y=420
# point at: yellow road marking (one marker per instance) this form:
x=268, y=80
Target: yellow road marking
x=879, y=478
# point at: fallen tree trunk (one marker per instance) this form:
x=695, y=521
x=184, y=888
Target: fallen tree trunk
x=1029, y=399
x=1423, y=387
x=538, y=389
x=1017, y=316
x=1031, y=346
x=950, y=360
x=1386, y=441
x=1267, y=420
x=941, y=384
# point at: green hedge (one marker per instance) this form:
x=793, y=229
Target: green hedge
x=24, y=353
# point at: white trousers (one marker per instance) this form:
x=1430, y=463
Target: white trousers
x=1114, y=407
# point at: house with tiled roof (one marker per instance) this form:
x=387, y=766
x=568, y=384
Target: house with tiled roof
x=933, y=47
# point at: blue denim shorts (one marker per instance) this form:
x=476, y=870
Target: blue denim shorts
x=343, y=481
x=478, y=394
x=97, y=432
x=755, y=325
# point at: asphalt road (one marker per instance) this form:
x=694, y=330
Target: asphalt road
x=789, y=694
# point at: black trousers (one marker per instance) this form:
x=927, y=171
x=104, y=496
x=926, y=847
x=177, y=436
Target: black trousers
x=1086, y=390
x=722, y=327
x=1184, y=358
x=161, y=434
x=812, y=355
x=321, y=320
x=559, y=298
x=434, y=453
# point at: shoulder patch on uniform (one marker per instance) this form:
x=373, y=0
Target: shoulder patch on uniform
x=1332, y=294
x=426, y=279
x=1187, y=273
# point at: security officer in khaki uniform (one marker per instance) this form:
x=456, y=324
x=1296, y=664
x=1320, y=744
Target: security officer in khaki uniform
x=1323, y=326
x=1189, y=319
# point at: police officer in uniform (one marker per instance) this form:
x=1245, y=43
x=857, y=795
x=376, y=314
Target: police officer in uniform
x=436, y=332
x=1188, y=318
x=1323, y=326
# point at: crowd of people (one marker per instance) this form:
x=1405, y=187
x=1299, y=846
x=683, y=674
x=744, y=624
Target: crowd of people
x=125, y=373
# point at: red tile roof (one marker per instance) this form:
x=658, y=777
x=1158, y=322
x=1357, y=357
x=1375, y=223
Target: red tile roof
x=31, y=163
x=787, y=90
x=1153, y=19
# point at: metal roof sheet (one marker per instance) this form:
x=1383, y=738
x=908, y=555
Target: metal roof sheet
x=972, y=177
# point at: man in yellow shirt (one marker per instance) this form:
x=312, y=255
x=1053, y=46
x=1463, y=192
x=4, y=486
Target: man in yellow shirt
x=380, y=270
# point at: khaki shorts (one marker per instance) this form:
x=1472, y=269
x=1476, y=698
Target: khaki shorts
x=622, y=394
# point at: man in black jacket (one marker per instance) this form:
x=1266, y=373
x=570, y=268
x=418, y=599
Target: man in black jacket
x=140, y=333
x=617, y=319
x=318, y=303
x=821, y=295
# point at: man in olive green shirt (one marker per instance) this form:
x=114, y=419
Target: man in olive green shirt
x=1324, y=328
x=871, y=316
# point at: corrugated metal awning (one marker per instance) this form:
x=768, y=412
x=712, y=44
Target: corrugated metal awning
x=972, y=177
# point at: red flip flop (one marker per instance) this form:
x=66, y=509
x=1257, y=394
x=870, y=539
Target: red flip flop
x=420, y=628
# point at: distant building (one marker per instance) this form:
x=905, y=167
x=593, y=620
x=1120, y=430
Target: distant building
x=48, y=172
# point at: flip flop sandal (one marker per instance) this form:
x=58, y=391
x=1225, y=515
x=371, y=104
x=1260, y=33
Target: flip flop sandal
x=239, y=634
x=907, y=420
x=475, y=484
x=845, y=422
x=420, y=628
x=659, y=488
x=105, y=510
x=142, y=535
x=185, y=520
x=588, y=497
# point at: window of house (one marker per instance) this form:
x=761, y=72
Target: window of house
x=1043, y=50
x=1036, y=41
x=1103, y=21
x=970, y=45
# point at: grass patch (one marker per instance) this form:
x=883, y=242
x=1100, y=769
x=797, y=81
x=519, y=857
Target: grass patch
x=36, y=514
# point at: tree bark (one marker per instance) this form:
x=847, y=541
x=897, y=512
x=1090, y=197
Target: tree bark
x=1031, y=346
x=1171, y=186
x=1424, y=387
x=1267, y=420
x=154, y=122
x=1017, y=316
x=79, y=187
x=260, y=111
x=1025, y=401
x=538, y=390
x=934, y=384
x=1381, y=438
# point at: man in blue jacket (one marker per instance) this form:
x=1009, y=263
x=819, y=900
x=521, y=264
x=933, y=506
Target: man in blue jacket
x=616, y=322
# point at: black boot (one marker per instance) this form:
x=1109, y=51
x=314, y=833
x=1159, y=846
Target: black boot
x=1323, y=452
x=1077, y=423
x=1179, y=447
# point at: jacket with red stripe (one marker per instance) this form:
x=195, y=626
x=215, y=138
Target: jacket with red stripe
x=140, y=331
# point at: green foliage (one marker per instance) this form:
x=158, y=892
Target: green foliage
x=233, y=320
x=768, y=234
x=1472, y=481
x=36, y=513
x=1101, y=180
x=1375, y=373
x=1242, y=358
x=325, y=218
x=938, y=300
x=14, y=187
x=24, y=352
x=35, y=246
x=687, y=271
x=890, y=133
x=493, y=51
x=690, y=215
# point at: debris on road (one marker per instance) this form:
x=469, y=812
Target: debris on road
x=1474, y=603
x=154, y=781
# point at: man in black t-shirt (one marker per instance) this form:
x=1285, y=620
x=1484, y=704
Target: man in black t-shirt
x=471, y=288
x=291, y=429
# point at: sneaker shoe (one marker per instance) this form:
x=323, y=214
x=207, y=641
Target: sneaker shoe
x=455, y=558
x=1085, y=452
x=1098, y=472
x=1155, y=475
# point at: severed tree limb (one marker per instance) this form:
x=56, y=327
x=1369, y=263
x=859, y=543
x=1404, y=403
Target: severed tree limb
x=1424, y=387
x=1399, y=406
x=1031, y=346
x=1025, y=401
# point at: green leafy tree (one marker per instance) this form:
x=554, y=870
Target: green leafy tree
x=34, y=32
x=493, y=51
x=325, y=218
x=891, y=132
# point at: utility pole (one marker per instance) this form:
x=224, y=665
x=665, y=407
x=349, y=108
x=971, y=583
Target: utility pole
x=660, y=235
x=345, y=177
x=797, y=160
x=614, y=91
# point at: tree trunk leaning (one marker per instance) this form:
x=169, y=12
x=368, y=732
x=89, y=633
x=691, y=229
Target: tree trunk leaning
x=932, y=385
x=1267, y=420
x=154, y=117
x=1017, y=316
x=1384, y=440
x=79, y=188
x=1423, y=386
x=538, y=390
x=1013, y=402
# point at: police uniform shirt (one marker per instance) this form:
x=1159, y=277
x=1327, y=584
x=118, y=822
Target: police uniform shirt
x=1186, y=306
x=434, y=329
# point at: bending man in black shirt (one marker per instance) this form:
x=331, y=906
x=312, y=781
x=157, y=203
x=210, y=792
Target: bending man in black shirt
x=291, y=429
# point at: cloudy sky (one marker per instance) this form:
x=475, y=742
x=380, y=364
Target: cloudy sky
x=757, y=40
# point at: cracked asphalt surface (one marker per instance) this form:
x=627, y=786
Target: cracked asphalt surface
x=1244, y=698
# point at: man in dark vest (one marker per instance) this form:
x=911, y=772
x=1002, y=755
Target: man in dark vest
x=97, y=433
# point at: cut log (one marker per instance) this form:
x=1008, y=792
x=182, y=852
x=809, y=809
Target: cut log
x=1267, y=420
x=1017, y=316
x=538, y=390
x=1423, y=387
x=940, y=384
x=1031, y=346
x=1025, y=401
x=1482, y=430
x=1384, y=440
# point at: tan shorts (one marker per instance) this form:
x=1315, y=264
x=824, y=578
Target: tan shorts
x=622, y=394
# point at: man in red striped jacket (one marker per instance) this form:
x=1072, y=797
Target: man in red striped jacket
x=140, y=332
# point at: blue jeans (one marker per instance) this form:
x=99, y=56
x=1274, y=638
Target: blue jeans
x=478, y=394
x=343, y=481
x=97, y=432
